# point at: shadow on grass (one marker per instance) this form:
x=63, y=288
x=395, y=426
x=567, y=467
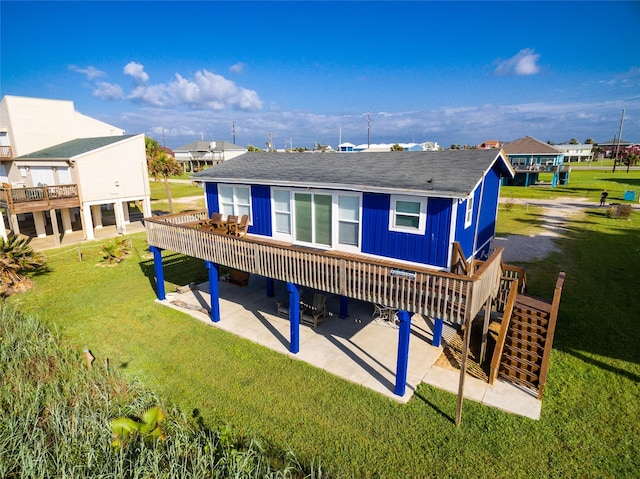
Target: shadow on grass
x=178, y=269
x=418, y=394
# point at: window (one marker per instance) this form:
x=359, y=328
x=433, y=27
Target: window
x=468, y=216
x=282, y=212
x=312, y=218
x=408, y=214
x=349, y=220
x=235, y=200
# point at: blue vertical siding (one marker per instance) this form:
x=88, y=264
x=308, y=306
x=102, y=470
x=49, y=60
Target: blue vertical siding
x=489, y=207
x=463, y=235
x=261, y=210
x=211, y=192
x=432, y=248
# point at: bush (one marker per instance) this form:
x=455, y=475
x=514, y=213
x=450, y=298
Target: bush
x=619, y=211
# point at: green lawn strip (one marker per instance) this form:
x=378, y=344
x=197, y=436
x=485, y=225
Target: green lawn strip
x=178, y=190
x=587, y=426
x=518, y=219
x=583, y=183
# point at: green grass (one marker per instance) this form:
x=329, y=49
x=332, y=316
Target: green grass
x=583, y=183
x=518, y=219
x=178, y=190
x=589, y=425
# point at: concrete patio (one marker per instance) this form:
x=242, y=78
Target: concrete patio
x=358, y=348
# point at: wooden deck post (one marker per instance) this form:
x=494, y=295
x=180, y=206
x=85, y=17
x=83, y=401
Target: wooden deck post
x=214, y=290
x=463, y=368
x=294, y=317
x=159, y=272
x=403, y=352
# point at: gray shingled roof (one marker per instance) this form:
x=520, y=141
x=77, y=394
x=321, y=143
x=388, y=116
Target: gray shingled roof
x=449, y=173
x=530, y=146
x=72, y=148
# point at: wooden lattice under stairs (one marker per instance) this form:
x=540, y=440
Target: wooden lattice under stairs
x=523, y=348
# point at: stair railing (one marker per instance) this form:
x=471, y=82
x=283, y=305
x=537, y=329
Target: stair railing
x=551, y=327
x=504, y=327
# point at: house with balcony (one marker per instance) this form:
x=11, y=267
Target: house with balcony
x=62, y=171
x=529, y=157
x=576, y=152
x=410, y=231
x=199, y=155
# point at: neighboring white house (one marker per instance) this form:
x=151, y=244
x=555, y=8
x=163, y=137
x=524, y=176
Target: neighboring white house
x=55, y=162
x=199, y=154
x=384, y=147
x=580, y=152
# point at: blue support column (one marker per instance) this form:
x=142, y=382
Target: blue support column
x=270, y=288
x=294, y=317
x=437, y=332
x=214, y=291
x=159, y=272
x=403, y=352
x=344, y=307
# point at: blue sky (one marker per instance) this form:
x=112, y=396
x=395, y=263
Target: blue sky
x=308, y=72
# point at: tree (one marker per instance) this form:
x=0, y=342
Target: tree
x=396, y=147
x=152, y=148
x=573, y=141
x=165, y=166
x=589, y=141
x=253, y=148
x=17, y=261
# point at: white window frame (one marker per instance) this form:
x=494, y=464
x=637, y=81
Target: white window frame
x=468, y=215
x=274, y=232
x=336, y=229
x=235, y=199
x=335, y=218
x=422, y=216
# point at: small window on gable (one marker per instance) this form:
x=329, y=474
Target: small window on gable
x=468, y=216
x=408, y=214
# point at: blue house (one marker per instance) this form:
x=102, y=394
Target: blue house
x=398, y=229
x=409, y=206
x=529, y=157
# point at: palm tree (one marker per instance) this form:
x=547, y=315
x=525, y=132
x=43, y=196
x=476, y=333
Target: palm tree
x=17, y=260
x=152, y=148
x=164, y=166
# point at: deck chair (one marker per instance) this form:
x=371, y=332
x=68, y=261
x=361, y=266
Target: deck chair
x=216, y=221
x=239, y=228
x=231, y=223
x=317, y=313
x=283, y=305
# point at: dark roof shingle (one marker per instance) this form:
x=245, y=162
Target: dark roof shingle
x=76, y=147
x=450, y=173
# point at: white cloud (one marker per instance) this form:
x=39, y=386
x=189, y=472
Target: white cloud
x=207, y=90
x=238, y=67
x=136, y=70
x=91, y=72
x=525, y=62
x=108, y=91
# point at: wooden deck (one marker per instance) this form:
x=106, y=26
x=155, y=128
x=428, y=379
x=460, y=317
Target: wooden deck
x=450, y=297
x=39, y=198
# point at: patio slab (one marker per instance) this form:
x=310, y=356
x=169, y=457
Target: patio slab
x=358, y=348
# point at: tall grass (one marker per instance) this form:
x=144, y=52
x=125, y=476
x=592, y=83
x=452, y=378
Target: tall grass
x=54, y=421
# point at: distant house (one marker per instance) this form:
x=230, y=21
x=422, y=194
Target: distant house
x=384, y=147
x=529, y=157
x=487, y=145
x=622, y=148
x=346, y=147
x=576, y=153
x=199, y=155
x=58, y=165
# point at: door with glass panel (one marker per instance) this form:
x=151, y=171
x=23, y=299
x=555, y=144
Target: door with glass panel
x=312, y=218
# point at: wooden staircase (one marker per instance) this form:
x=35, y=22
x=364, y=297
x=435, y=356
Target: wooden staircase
x=523, y=347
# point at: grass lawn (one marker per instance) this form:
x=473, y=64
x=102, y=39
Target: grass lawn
x=178, y=190
x=583, y=183
x=590, y=416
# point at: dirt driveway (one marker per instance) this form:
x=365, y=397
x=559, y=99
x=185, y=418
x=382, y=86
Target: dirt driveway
x=519, y=248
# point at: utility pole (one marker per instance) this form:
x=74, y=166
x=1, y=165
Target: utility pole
x=368, y=129
x=615, y=161
x=233, y=130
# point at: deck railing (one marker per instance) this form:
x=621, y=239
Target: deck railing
x=421, y=290
x=6, y=153
x=47, y=194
